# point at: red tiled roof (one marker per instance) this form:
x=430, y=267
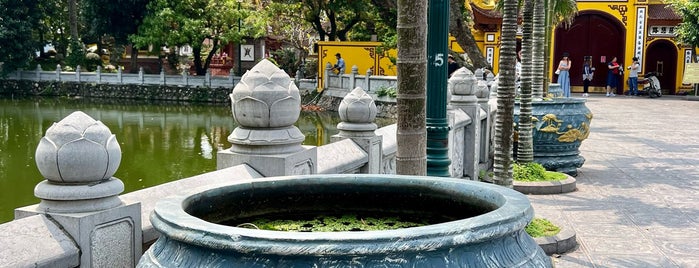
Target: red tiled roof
x=662, y=12
x=487, y=13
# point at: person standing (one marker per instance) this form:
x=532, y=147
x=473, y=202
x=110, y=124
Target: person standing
x=563, y=75
x=633, y=77
x=612, y=76
x=340, y=65
x=588, y=73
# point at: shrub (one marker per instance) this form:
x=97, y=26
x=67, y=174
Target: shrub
x=386, y=91
x=541, y=227
x=535, y=172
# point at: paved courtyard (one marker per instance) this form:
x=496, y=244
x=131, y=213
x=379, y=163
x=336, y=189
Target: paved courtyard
x=637, y=203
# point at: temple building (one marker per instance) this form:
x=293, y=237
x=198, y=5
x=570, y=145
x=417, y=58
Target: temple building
x=603, y=30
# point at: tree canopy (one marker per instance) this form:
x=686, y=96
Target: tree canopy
x=181, y=22
x=17, y=21
x=688, y=30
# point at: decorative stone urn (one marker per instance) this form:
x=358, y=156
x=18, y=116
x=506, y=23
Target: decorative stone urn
x=559, y=127
x=471, y=224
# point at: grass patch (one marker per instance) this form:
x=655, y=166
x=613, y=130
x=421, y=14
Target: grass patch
x=535, y=172
x=541, y=227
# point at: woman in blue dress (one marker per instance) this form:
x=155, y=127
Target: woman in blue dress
x=563, y=74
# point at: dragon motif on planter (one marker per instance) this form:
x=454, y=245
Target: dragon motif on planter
x=553, y=124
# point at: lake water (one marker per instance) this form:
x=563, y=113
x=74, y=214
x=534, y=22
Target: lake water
x=160, y=142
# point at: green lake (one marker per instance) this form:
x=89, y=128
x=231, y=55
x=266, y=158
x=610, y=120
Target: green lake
x=160, y=142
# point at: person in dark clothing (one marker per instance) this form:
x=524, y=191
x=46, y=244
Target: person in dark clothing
x=588, y=73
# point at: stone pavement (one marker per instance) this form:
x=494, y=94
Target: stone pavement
x=637, y=203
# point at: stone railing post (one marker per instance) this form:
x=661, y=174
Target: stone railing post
x=78, y=157
x=77, y=73
x=326, y=76
x=141, y=77
x=98, y=73
x=357, y=112
x=463, y=87
x=353, y=76
x=487, y=127
x=367, y=78
x=185, y=77
x=37, y=72
x=207, y=77
x=231, y=77
x=479, y=74
x=120, y=78
x=58, y=72
x=162, y=76
x=266, y=103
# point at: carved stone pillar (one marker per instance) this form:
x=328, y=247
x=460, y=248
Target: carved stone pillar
x=78, y=157
x=357, y=112
x=266, y=104
x=463, y=88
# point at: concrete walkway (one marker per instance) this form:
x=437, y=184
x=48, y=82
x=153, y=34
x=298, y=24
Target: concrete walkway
x=637, y=203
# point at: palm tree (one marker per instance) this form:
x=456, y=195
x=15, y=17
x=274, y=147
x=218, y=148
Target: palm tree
x=525, y=147
x=504, y=118
x=538, y=60
x=411, y=155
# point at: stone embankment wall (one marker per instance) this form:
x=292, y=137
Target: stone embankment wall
x=22, y=88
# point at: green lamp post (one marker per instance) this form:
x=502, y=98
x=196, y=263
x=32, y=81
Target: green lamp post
x=437, y=53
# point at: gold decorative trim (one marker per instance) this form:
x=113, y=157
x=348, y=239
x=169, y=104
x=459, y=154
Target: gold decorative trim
x=622, y=11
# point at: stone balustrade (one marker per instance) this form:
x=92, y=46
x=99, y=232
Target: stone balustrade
x=83, y=221
x=117, y=84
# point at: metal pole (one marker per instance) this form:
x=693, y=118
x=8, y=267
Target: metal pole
x=437, y=52
x=240, y=53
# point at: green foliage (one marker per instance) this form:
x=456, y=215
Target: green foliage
x=344, y=223
x=286, y=60
x=341, y=16
x=76, y=54
x=192, y=22
x=535, y=172
x=310, y=70
x=118, y=19
x=386, y=91
x=92, y=60
x=485, y=175
x=17, y=21
x=688, y=30
x=541, y=227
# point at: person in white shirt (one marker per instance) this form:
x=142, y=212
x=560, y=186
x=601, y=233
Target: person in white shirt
x=633, y=77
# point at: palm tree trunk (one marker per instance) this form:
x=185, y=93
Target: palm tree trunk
x=538, y=35
x=502, y=166
x=411, y=155
x=73, y=19
x=549, y=6
x=525, y=146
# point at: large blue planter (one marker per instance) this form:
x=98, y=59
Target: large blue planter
x=561, y=125
x=480, y=225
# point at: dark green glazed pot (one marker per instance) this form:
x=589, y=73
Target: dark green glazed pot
x=560, y=127
x=476, y=224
